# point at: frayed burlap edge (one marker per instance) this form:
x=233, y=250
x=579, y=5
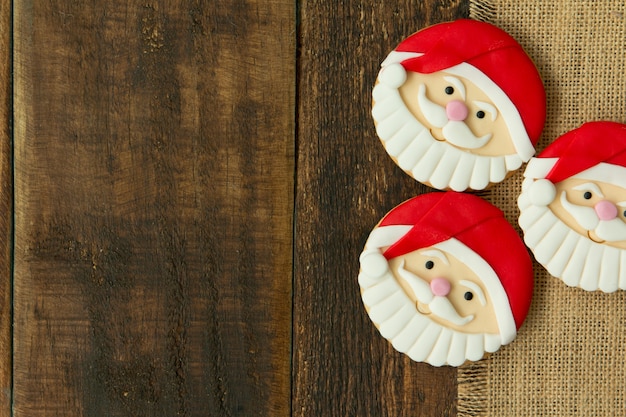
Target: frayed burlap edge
x=481, y=10
x=472, y=389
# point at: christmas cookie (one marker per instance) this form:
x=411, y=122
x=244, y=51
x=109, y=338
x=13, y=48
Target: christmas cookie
x=459, y=105
x=445, y=278
x=573, y=207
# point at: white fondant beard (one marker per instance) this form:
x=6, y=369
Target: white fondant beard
x=575, y=259
x=426, y=159
x=415, y=334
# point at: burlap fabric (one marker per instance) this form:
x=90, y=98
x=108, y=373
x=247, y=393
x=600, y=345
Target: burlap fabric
x=569, y=359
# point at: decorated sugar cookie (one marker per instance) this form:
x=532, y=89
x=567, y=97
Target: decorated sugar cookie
x=573, y=207
x=445, y=278
x=459, y=105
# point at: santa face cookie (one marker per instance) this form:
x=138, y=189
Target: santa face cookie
x=445, y=278
x=573, y=207
x=459, y=105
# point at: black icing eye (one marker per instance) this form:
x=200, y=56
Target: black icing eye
x=587, y=195
x=624, y=213
x=468, y=295
x=480, y=114
x=429, y=264
x=449, y=90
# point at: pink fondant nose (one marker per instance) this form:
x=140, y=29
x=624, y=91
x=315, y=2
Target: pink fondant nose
x=605, y=210
x=440, y=286
x=456, y=110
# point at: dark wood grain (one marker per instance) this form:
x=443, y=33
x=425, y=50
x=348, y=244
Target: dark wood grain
x=6, y=209
x=346, y=183
x=154, y=165
x=154, y=154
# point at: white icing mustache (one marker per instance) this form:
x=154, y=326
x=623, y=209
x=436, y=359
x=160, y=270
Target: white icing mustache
x=455, y=132
x=434, y=113
x=609, y=230
x=439, y=306
x=584, y=216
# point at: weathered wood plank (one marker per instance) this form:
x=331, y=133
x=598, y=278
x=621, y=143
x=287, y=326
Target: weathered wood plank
x=346, y=183
x=154, y=207
x=6, y=208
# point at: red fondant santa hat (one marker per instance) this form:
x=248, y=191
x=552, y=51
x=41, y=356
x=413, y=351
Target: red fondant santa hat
x=595, y=151
x=491, y=59
x=476, y=233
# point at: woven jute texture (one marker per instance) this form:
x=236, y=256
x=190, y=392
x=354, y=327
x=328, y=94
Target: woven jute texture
x=569, y=358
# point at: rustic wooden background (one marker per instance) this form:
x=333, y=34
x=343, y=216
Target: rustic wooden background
x=185, y=189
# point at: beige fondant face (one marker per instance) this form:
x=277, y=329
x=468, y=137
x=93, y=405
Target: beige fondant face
x=483, y=118
x=590, y=195
x=466, y=294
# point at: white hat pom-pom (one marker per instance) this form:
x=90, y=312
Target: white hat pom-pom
x=393, y=75
x=373, y=263
x=542, y=192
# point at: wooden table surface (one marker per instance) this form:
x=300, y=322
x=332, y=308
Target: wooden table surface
x=185, y=189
